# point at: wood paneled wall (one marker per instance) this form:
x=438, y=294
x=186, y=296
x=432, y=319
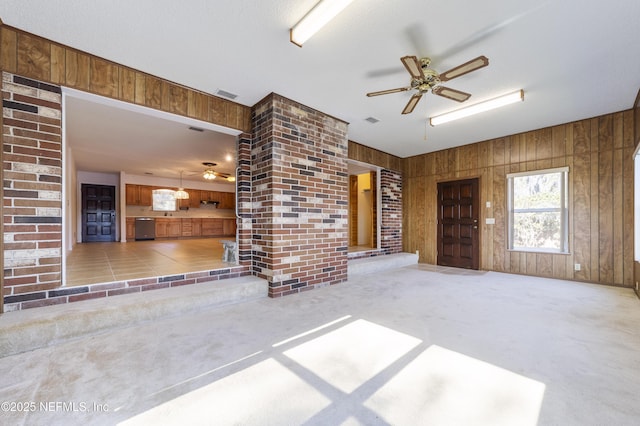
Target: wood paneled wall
x=34, y=57
x=599, y=154
x=373, y=156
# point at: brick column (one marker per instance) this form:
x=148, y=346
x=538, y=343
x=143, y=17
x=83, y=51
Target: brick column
x=243, y=199
x=300, y=196
x=32, y=162
x=391, y=223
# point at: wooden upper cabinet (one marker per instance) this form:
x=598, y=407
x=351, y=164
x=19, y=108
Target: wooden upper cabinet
x=139, y=195
x=226, y=200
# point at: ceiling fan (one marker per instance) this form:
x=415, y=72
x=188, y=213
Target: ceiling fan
x=210, y=174
x=424, y=79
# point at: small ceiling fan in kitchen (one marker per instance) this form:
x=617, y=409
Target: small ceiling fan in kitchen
x=210, y=174
x=424, y=78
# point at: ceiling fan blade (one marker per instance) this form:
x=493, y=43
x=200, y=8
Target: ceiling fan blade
x=467, y=67
x=446, y=92
x=412, y=64
x=386, y=92
x=412, y=103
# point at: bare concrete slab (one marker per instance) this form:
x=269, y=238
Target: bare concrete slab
x=30, y=329
x=413, y=345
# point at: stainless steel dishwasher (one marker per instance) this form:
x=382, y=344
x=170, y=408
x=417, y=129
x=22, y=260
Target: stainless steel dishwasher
x=145, y=228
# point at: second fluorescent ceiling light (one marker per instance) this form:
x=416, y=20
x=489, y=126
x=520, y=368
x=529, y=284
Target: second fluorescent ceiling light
x=318, y=17
x=478, y=108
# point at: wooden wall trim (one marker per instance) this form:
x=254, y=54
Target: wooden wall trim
x=374, y=156
x=35, y=57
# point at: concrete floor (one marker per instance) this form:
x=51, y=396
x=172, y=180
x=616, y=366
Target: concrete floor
x=415, y=345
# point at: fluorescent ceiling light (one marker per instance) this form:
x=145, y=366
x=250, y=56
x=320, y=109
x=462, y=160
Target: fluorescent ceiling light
x=318, y=17
x=503, y=100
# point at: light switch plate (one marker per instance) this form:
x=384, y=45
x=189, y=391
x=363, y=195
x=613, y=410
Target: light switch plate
x=490, y=221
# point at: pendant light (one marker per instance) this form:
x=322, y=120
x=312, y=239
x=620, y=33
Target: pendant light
x=181, y=194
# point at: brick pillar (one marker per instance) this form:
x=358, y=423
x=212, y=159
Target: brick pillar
x=391, y=223
x=300, y=196
x=32, y=162
x=243, y=199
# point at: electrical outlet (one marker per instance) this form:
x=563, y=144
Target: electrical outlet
x=576, y=267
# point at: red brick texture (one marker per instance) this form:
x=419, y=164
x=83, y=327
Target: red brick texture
x=299, y=196
x=391, y=221
x=32, y=162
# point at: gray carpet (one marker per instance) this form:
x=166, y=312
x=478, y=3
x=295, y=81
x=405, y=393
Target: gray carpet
x=415, y=345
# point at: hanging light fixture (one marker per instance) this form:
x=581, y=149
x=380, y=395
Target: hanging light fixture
x=181, y=194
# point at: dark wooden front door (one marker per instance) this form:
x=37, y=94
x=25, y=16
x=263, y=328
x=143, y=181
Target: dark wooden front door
x=98, y=213
x=458, y=214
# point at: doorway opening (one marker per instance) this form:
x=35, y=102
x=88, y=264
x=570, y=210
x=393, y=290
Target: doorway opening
x=364, y=206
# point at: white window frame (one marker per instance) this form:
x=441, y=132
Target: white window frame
x=563, y=209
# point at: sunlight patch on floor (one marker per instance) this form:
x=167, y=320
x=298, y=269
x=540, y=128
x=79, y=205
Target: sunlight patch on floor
x=351, y=355
x=265, y=392
x=444, y=387
x=437, y=386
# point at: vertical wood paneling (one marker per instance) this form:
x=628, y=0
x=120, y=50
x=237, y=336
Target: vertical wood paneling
x=628, y=212
x=9, y=50
x=58, y=59
x=594, y=263
x=34, y=57
x=127, y=84
x=153, y=92
x=600, y=196
x=500, y=214
x=77, y=73
x=103, y=78
x=617, y=242
x=198, y=106
x=141, y=88
x=581, y=229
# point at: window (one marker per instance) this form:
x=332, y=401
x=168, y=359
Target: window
x=538, y=212
x=164, y=200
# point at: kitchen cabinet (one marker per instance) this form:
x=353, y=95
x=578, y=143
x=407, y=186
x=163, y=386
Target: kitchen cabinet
x=226, y=200
x=186, y=227
x=162, y=228
x=174, y=228
x=131, y=229
x=196, y=227
x=229, y=227
x=138, y=195
x=194, y=199
x=211, y=227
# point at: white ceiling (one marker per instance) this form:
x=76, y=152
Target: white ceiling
x=574, y=59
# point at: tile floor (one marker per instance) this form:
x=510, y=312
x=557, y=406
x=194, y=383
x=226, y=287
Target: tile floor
x=92, y=263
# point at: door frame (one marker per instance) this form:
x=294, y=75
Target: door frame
x=478, y=254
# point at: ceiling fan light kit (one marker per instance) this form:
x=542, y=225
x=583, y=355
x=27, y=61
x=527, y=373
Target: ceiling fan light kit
x=509, y=98
x=424, y=78
x=315, y=19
